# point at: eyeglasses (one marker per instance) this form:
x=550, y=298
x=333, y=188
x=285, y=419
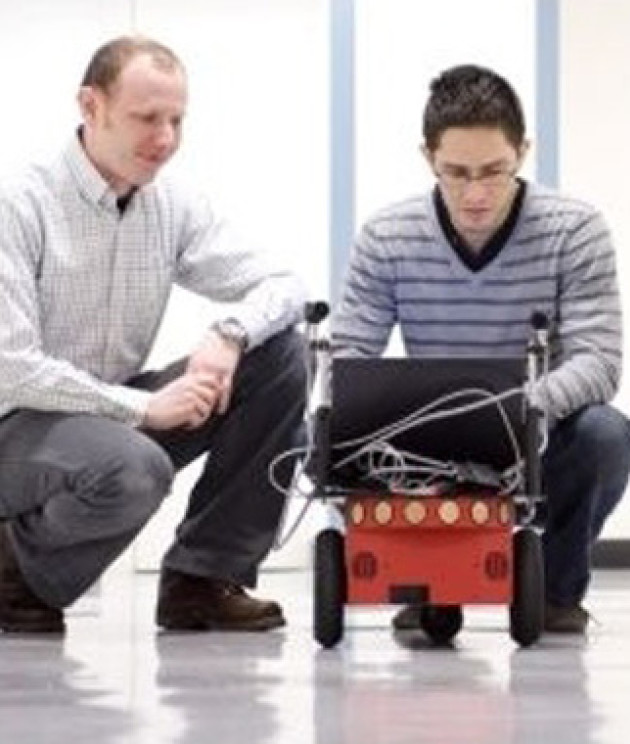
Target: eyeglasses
x=457, y=178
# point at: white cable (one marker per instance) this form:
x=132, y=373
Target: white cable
x=396, y=475
x=283, y=536
x=423, y=416
x=299, y=471
x=295, y=452
x=418, y=419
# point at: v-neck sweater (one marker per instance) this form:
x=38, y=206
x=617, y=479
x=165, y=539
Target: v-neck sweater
x=558, y=259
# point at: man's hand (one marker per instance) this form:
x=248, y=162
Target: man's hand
x=187, y=401
x=218, y=358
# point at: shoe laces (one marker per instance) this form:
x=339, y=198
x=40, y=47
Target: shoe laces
x=230, y=588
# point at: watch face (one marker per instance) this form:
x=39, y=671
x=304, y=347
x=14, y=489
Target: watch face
x=232, y=330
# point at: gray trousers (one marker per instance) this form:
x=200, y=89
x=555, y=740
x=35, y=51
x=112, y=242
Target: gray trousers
x=76, y=489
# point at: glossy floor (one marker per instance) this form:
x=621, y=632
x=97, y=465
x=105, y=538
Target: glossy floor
x=115, y=680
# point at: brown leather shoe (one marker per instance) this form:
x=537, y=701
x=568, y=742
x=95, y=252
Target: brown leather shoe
x=187, y=602
x=21, y=611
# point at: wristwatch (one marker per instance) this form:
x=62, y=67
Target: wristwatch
x=232, y=330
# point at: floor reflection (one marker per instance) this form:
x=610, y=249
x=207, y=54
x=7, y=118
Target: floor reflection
x=433, y=695
x=48, y=696
x=115, y=680
x=550, y=694
x=217, y=686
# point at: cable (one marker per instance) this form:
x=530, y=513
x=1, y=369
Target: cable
x=391, y=466
x=282, y=537
x=419, y=418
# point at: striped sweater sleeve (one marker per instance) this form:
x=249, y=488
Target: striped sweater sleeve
x=367, y=312
x=587, y=358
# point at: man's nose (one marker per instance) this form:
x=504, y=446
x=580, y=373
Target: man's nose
x=166, y=135
x=475, y=188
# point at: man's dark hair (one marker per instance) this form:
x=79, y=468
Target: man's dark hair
x=109, y=60
x=472, y=96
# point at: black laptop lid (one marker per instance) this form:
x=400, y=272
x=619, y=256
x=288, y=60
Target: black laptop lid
x=368, y=394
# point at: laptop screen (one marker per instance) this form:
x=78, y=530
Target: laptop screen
x=461, y=421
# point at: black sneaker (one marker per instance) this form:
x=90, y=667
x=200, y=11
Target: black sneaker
x=408, y=618
x=21, y=611
x=570, y=620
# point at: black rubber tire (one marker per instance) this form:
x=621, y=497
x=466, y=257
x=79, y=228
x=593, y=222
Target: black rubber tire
x=441, y=623
x=329, y=588
x=528, y=597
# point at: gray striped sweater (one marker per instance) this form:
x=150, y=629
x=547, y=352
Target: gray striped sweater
x=559, y=259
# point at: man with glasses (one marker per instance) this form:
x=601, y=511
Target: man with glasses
x=461, y=269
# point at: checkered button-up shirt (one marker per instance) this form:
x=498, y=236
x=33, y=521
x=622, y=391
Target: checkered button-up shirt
x=83, y=288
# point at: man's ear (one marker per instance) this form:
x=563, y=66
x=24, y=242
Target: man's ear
x=88, y=103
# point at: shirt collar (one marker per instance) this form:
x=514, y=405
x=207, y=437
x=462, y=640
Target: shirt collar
x=89, y=181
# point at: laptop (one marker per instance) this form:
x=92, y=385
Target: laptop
x=461, y=423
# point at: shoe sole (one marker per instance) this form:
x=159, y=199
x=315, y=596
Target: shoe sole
x=565, y=629
x=48, y=628
x=261, y=624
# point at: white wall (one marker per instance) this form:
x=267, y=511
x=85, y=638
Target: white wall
x=594, y=136
x=44, y=48
x=256, y=136
x=401, y=46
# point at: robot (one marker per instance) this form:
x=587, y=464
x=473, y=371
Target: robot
x=446, y=540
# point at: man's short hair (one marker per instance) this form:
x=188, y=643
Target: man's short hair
x=109, y=60
x=472, y=96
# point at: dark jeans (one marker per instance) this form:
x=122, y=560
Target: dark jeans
x=585, y=471
x=76, y=489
